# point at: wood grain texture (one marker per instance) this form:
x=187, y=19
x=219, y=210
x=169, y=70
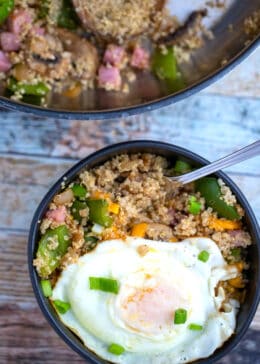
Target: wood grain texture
x=207, y=124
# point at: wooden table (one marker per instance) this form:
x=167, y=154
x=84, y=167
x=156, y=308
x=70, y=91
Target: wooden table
x=34, y=152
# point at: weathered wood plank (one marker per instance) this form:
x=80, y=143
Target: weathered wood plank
x=26, y=337
x=31, y=170
x=24, y=181
x=207, y=124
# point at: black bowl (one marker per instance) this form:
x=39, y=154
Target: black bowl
x=169, y=151
x=207, y=64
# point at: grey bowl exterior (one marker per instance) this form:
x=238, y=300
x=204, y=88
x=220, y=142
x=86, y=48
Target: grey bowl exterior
x=169, y=151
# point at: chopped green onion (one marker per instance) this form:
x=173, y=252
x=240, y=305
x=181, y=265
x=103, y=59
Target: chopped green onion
x=195, y=327
x=194, y=206
x=61, y=307
x=181, y=167
x=46, y=287
x=203, y=256
x=79, y=191
x=180, y=316
x=116, y=349
x=97, y=229
x=236, y=252
x=104, y=284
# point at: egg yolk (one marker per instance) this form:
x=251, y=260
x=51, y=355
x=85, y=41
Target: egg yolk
x=150, y=309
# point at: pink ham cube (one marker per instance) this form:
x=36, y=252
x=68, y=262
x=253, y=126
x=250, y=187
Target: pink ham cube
x=5, y=64
x=57, y=215
x=140, y=58
x=115, y=56
x=109, y=78
x=9, y=42
x=18, y=21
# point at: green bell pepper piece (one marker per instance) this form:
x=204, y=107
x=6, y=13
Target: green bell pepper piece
x=6, y=7
x=182, y=167
x=38, y=89
x=98, y=212
x=164, y=64
x=51, y=257
x=75, y=209
x=44, y=8
x=210, y=190
x=67, y=17
x=33, y=99
x=79, y=190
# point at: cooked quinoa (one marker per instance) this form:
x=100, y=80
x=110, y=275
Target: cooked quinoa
x=67, y=46
x=138, y=200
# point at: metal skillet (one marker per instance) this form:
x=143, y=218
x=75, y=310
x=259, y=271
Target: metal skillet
x=230, y=45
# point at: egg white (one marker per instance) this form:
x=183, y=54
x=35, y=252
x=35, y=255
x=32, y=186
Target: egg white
x=96, y=316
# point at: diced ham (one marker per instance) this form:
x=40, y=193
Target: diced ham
x=109, y=78
x=5, y=64
x=115, y=56
x=18, y=21
x=9, y=42
x=140, y=58
x=37, y=30
x=57, y=215
x=240, y=238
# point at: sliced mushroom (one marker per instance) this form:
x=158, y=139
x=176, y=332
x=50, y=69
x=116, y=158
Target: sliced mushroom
x=46, y=56
x=191, y=25
x=84, y=55
x=159, y=232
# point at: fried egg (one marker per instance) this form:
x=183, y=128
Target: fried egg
x=156, y=280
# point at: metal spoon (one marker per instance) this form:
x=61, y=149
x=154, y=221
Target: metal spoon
x=240, y=155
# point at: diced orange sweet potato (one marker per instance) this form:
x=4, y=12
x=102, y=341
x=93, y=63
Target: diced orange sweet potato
x=139, y=230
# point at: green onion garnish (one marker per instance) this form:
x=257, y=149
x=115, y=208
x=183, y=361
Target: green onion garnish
x=203, y=256
x=180, y=316
x=195, y=327
x=61, y=307
x=46, y=287
x=181, y=167
x=116, y=349
x=79, y=191
x=104, y=284
x=194, y=206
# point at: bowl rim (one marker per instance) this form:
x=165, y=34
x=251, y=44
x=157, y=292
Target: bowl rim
x=119, y=148
x=135, y=109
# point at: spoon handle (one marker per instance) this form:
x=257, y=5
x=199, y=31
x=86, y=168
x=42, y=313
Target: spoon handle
x=247, y=152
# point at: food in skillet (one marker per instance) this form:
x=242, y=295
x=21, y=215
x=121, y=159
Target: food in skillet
x=141, y=272
x=69, y=46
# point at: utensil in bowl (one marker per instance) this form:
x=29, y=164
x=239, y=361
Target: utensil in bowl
x=240, y=155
